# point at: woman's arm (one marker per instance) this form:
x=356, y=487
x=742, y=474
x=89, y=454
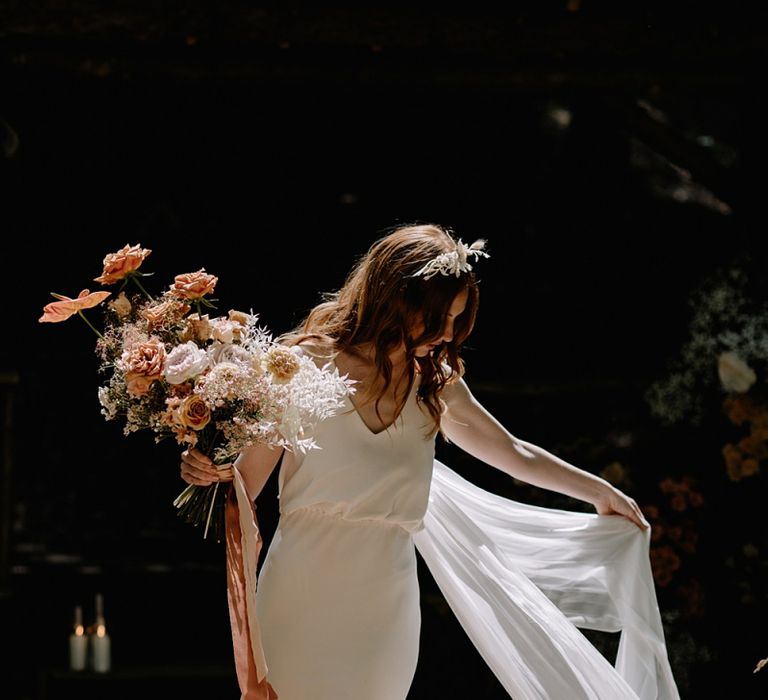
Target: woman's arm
x=475, y=430
x=254, y=463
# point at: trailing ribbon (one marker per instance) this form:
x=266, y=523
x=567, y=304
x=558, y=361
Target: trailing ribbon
x=243, y=547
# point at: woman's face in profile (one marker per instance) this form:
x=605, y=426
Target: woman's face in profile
x=457, y=307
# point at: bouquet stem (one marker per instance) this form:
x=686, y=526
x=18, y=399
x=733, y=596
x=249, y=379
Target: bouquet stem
x=210, y=510
x=203, y=505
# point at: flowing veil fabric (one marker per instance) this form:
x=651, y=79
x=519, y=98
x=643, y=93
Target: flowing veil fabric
x=521, y=579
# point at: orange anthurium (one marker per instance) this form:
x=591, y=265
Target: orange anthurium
x=61, y=310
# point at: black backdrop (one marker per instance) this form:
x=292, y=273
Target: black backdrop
x=608, y=187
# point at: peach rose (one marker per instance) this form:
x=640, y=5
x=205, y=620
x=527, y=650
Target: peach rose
x=198, y=328
x=120, y=264
x=194, y=412
x=143, y=360
x=239, y=317
x=165, y=311
x=138, y=384
x=121, y=306
x=61, y=310
x=194, y=285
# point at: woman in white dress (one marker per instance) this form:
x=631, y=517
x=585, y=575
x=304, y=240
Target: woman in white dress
x=337, y=603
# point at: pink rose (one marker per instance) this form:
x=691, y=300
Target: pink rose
x=118, y=265
x=194, y=285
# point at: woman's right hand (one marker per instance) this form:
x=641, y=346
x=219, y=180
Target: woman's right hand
x=198, y=469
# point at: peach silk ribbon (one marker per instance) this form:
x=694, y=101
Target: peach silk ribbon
x=244, y=541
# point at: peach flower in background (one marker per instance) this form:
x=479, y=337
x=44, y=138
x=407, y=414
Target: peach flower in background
x=664, y=563
x=61, y=310
x=119, y=265
x=735, y=374
x=194, y=285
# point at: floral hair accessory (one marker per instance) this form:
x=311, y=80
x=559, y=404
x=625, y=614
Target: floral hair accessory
x=455, y=262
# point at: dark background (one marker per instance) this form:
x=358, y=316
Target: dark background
x=613, y=163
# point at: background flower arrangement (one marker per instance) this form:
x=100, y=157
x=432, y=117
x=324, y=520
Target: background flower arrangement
x=717, y=386
x=218, y=383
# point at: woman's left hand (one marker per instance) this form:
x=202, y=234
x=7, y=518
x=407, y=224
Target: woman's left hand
x=615, y=502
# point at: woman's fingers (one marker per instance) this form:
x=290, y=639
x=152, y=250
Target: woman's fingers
x=197, y=469
x=636, y=515
x=197, y=459
x=622, y=504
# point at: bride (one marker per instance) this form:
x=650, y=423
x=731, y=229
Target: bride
x=335, y=611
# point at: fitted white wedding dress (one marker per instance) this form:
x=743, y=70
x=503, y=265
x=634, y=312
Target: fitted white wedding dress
x=336, y=613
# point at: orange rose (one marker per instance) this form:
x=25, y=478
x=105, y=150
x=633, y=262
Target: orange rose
x=194, y=285
x=61, y=310
x=194, y=412
x=120, y=264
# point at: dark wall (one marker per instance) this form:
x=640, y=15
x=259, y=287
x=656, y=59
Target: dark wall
x=608, y=188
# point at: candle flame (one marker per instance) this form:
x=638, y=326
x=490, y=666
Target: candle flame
x=79, y=630
x=101, y=631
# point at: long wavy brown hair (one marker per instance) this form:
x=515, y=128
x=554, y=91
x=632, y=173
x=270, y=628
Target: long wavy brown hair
x=382, y=303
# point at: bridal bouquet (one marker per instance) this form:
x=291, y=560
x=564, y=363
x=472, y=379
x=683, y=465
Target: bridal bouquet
x=220, y=383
